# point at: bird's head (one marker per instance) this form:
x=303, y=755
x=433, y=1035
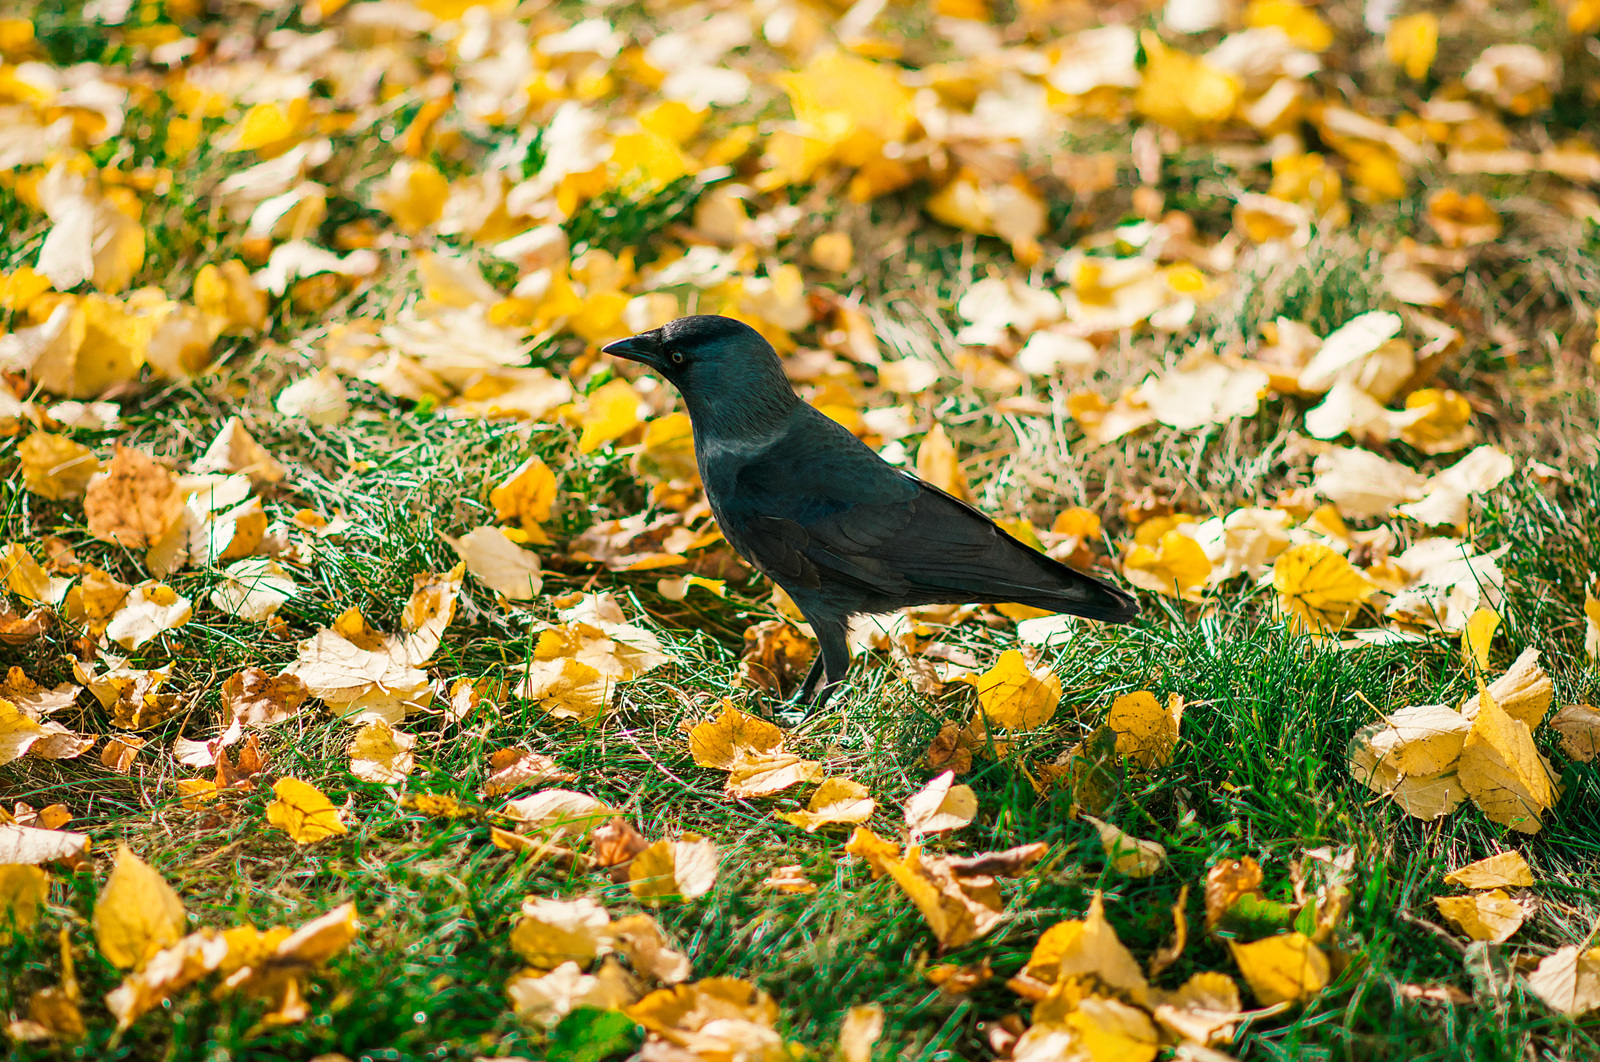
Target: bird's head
x=718, y=364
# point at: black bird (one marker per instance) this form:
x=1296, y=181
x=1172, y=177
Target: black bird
x=843, y=531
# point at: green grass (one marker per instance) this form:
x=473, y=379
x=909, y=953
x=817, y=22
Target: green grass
x=1260, y=771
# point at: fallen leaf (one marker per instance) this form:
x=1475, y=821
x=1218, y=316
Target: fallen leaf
x=1503, y=771
x=681, y=869
x=150, y=610
x=56, y=467
x=500, y=563
x=549, y=932
x=1568, y=980
x=1147, y=731
x=512, y=768
x=836, y=801
x=1018, y=697
x=718, y=743
x=137, y=913
x=133, y=501
x=862, y=1027
x=941, y=805
x=1504, y=868
x=647, y=950
x=303, y=812
x=556, y=813
x=256, y=698
x=1579, y=727
x=254, y=589
x=1319, y=591
x=1490, y=915
x=23, y=891
x=1129, y=855
x=1285, y=968
x=382, y=754
x=937, y=464
x=759, y=774
x=1073, y=948
x=550, y=997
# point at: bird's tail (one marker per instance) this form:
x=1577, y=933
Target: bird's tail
x=1071, y=591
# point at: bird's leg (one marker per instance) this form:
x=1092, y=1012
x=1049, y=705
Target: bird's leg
x=834, y=654
x=809, y=687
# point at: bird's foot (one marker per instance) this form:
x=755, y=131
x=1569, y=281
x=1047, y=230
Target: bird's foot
x=790, y=715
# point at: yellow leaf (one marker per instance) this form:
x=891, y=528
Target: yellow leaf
x=270, y=125
x=758, y=774
x=861, y=1029
x=852, y=104
x=718, y=743
x=382, y=754
x=1112, y=1031
x=149, y=610
x=1073, y=948
x=500, y=563
x=674, y=869
x=1412, y=42
x=1204, y=1009
x=1491, y=916
x=1177, y=567
x=937, y=463
x=1130, y=855
x=941, y=805
x=1018, y=697
x=303, y=812
x=526, y=495
x=1182, y=90
x=137, y=913
x=23, y=891
x=1477, y=635
x=413, y=195
x=837, y=800
x=1568, y=980
x=1300, y=23
x=608, y=415
x=1147, y=732
x=1503, y=771
x=1285, y=968
x=833, y=251
x=550, y=932
x=56, y=467
x=1319, y=591
x=1524, y=692
x=1437, y=421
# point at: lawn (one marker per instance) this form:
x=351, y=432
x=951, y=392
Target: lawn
x=1282, y=316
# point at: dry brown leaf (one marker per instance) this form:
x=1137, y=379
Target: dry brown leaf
x=256, y=698
x=1568, y=980
x=1579, y=727
x=133, y=502
x=513, y=768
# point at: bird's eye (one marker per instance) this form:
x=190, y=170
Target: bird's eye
x=677, y=357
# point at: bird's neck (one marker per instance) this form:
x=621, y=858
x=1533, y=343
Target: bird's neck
x=759, y=412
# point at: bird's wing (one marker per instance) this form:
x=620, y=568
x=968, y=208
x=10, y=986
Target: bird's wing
x=835, y=510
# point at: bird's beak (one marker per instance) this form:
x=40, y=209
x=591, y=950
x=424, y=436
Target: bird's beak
x=644, y=348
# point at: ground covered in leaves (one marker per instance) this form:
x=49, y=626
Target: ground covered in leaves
x=379, y=687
